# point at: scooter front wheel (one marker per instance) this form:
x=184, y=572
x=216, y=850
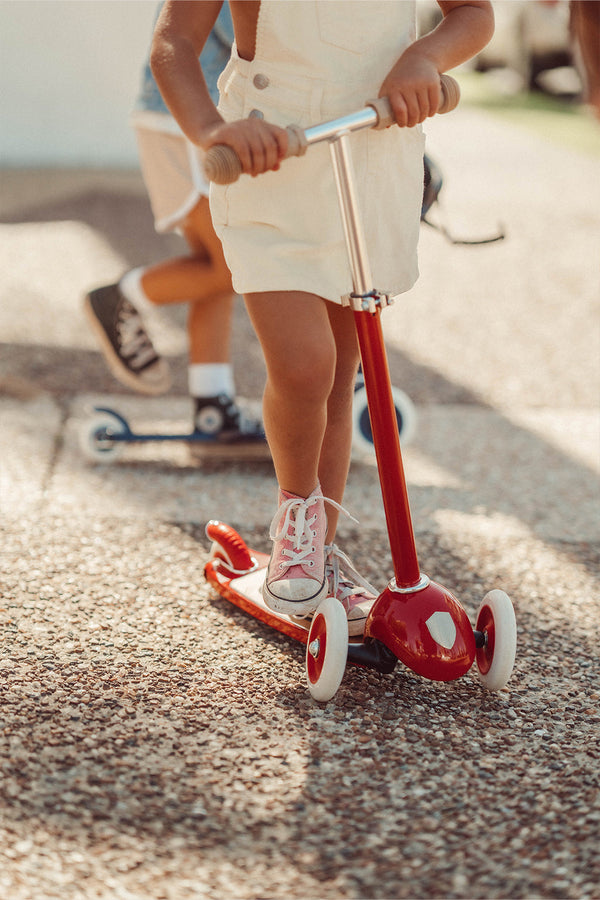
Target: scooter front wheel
x=96, y=438
x=327, y=649
x=496, y=658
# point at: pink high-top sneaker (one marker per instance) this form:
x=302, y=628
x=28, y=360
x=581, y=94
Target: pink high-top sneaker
x=295, y=582
x=353, y=591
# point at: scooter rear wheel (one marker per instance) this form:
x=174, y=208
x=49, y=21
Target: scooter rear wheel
x=327, y=649
x=362, y=435
x=496, y=659
x=95, y=438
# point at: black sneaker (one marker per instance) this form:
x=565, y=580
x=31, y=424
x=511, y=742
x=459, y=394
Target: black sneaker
x=222, y=420
x=126, y=347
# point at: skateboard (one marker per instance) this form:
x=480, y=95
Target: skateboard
x=414, y=619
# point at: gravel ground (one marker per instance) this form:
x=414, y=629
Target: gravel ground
x=158, y=744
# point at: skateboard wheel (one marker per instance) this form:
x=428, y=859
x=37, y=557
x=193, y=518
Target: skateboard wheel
x=229, y=547
x=96, y=438
x=496, y=659
x=362, y=435
x=327, y=649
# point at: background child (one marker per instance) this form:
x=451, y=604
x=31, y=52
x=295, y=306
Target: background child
x=304, y=62
x=173, y=175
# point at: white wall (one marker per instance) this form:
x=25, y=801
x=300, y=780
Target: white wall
x=69, y=74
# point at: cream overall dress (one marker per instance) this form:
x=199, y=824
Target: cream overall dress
x=316, y=60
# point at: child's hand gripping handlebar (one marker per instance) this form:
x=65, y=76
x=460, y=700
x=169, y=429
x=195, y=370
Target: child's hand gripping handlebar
x=222, y=165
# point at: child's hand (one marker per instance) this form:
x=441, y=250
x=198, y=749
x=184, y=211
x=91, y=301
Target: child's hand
x=259, y=146
x=413, y=89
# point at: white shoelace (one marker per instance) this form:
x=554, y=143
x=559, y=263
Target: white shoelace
x=336, y=561
x=135, y=343
x=298, y=530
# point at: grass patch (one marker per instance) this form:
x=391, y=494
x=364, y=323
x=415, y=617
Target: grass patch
x=561, y=121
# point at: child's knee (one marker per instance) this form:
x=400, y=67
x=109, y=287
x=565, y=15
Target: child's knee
x=308, y=373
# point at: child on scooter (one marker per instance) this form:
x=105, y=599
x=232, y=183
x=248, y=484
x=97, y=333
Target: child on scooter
x=306, y=62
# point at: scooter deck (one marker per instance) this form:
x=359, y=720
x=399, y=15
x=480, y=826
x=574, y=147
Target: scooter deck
x=117, y=432
x=245, y=592
x=203, y=448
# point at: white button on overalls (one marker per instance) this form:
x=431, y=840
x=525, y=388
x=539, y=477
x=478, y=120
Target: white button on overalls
x=260, y=81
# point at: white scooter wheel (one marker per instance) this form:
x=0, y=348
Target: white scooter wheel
x=327, y=649
x=496, y=659
x=95, y=438
x=362, y=435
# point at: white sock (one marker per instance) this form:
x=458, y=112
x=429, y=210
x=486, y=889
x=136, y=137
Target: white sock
x=210, y=380
x=131, y=285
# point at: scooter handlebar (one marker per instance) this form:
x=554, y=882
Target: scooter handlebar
x=222, y=165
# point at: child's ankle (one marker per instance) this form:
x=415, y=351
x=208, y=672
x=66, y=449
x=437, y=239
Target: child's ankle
x=131, y=286
x=292, y=495
x=211, y=380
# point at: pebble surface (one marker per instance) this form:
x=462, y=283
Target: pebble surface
x=157, y=742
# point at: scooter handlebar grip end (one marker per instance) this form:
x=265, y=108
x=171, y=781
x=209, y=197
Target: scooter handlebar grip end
x=383, y=108
x=450, y=94
x=222, y=165
x=297, y=142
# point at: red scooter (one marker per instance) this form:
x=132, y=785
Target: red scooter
x=414, y=620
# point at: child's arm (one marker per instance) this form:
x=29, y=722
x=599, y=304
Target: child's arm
x=180, y=35
x=413, y=85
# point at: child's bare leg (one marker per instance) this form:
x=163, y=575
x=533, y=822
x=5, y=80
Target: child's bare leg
x=209, y=330
x=336, y=449
x=200, y=276
x=344, y=581
x=204, y=281
x=300, y=356
x=311, y=354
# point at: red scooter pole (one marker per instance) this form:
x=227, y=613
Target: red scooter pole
x=421, y=622
x=386, y=441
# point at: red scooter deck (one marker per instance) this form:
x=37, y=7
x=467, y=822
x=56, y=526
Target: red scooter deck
x=245, y=591
x=237, y=574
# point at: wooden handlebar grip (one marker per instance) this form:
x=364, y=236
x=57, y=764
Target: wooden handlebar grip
x=222, y=166
x=450, y=94
x=450, y=99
